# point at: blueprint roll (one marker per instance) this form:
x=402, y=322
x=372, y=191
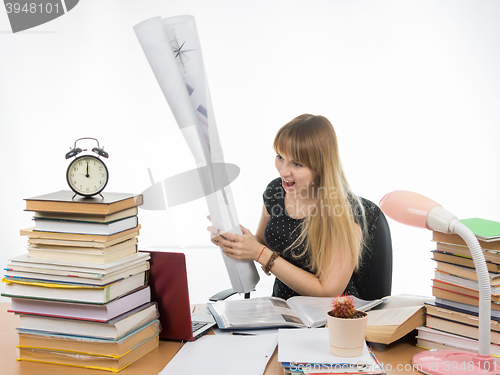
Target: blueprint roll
x=173, y=50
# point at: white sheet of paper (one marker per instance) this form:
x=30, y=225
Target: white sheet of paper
x=312, y=345
x=223, y=355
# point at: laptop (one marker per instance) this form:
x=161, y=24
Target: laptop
x=169, y=289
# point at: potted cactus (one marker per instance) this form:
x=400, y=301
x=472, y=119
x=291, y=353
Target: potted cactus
x=346, y=327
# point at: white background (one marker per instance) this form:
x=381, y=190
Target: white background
x=412, y=88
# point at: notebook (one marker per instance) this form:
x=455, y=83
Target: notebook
x=169, y=289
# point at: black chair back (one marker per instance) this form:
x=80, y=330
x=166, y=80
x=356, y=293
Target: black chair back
x=374, y=278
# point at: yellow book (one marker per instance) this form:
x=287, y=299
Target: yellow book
x=92, y=361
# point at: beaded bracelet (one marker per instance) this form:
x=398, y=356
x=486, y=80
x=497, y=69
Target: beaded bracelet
x=270, y=263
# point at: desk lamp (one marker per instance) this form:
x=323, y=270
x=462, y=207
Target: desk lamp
x=416, y=210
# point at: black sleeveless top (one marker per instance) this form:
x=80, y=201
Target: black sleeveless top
x=281, y=231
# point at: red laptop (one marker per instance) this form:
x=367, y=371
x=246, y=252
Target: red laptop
x=169, y=289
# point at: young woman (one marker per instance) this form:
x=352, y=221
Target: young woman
x=310, y=233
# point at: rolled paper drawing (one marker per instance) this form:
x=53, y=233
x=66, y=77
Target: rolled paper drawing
x=173, y=50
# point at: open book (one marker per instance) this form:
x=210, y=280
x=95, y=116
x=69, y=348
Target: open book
x=276, y=312
x=397, y=316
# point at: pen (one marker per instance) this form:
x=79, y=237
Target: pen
x=241, y=334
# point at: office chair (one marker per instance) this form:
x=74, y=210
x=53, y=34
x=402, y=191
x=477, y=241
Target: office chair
x=373, y=279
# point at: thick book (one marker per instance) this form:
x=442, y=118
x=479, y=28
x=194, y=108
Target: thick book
x=83, y=293
x=461, y=260
x=86, y=227
x=81, y=311
x=97, y=270
x=76, y=255
x=397, y=316
x=455, y=239
x=455, y=288
x=88, y=360
x=129, y=212
x=463, y=308
x=299, y=311
x=113, y=329
x=459, y=328
x=466, y=272
x=430, y=338
x=47, y=274
x=75, y=239
x=455, y=296
x=491, y=256
x=88, y=250
x=66, y=201
x=462, y=282
x=30, y=339
x=457, y=315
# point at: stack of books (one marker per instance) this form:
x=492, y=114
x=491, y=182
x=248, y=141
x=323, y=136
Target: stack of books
x=81, y=291
x=452, y=320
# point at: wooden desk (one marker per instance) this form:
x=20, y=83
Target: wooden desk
x=396, y=357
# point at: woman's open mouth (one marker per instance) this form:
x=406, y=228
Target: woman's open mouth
x=287, y=184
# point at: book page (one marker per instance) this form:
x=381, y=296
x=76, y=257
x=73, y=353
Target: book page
x=391, y=317
x=403, y=300
x=255, y=312
x=312, y=310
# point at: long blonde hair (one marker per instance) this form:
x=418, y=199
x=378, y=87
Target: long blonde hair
x=311, y=141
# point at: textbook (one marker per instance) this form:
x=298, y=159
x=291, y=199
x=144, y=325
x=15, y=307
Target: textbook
x=88, y=360
x=462, y=282
x=84, y=217
x=458, y=328
x=76, y=254
x=485, y=230
x=462, y=298
x=466, y=292
x=455, y=239
x=429, y=338
x=54, y=341
x=86, y=249
x=65, y=267
x=72, y=292
x=81, y=311
x=43, y=274
x=299, y=311
x=113, y=329
x=464, y=260
x=63, y=201
x=86, y=227
x=75, y=239
x=466, y=272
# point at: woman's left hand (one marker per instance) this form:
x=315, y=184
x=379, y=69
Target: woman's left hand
x=238, y=246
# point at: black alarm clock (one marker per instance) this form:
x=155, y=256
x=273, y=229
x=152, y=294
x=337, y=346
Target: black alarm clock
x=87, y=175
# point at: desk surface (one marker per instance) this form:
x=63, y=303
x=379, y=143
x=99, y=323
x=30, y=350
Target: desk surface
x=396, y=357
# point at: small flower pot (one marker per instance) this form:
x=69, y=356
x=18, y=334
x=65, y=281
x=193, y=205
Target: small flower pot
x=347, y=336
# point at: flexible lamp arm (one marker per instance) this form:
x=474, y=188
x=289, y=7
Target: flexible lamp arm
x=484, y=286
x=416, y=210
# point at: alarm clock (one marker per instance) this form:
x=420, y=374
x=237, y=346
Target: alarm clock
x=87, y=175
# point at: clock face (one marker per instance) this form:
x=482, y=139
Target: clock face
x=87, y=175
